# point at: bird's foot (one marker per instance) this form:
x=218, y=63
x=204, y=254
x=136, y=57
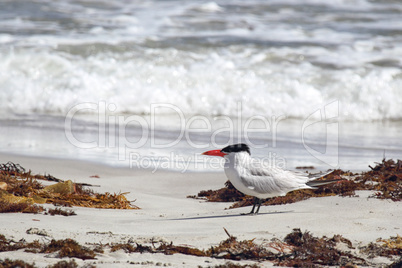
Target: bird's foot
x=249, y=214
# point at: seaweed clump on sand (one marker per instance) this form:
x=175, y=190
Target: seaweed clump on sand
x=7, y=263
x=230, y=249
x=226, y=194
x=385, y=178
x=63, y=248
x=20, y=191
x=310, y=251
x=68, y=248
x=297, y=249
x=384, y=247
x=165, y=248
x=233, y=249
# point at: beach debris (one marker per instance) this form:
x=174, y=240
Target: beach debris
x=59, y=211
x=7, y=207
x=37, y=231
x=384, y=247
x=297, y=249
x=7, y=263
x=240, y=250
x=310, y=251
x=165, y=248
x=387, y=176
x=66, y=187
x=68, y=248
x=227, y=194
x=24, y=188
x=68, y=264
x=236, y=265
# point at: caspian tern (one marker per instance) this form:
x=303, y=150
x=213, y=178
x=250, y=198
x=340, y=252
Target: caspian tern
x=252, y=179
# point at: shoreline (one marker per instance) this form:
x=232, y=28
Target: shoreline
x=344, y=147
x=166, y=214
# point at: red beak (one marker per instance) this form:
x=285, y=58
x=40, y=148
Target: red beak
x=214, y=153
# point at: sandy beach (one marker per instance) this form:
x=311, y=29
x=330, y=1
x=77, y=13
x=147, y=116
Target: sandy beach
x=167, y=215
x=107, y=92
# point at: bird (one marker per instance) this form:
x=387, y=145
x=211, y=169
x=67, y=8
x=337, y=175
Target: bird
x=250, y=177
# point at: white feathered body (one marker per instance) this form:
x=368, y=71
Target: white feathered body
x=249, y=177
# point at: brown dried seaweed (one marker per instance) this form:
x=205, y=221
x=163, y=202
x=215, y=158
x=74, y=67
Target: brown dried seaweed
x=227, y=194
x=384, y=247
x=69, y=248
x=66, y=264
x=235, y=265
x=7, y=207
x=387, y=176
x=165, y=248
x=240, y=250
x=7, y=263
x=298, y=249
x=10, y=245
x=20, y=183
x=310, y=251
x=59, y=211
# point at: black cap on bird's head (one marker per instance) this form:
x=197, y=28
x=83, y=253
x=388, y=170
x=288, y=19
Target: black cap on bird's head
x=235, y=148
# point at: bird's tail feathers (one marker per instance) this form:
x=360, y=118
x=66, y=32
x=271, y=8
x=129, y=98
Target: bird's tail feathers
x=314, y=183
x=313, y=179
x=315, y=176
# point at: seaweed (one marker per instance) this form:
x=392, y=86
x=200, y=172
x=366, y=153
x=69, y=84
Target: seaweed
x=227, y=194
x=59, y=211
x=9, y=245
x=384, y=247
x=170, y=249
x=7, y=207
x=297, y=249
x=165, y=248
x=388, y=178
x=65, y=248
x=240, y=250
x=235, y=265
x=7, y=263
x=310, y=251
x=20, y=186
x=68, y=248
x=65, y=264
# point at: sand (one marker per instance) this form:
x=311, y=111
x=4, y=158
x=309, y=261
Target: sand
x=167, y=215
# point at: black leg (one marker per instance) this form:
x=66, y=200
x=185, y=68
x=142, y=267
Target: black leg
x=255, y=201
x=259, y=205
x=252, y=210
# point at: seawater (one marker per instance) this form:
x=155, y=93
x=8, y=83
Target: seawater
x=294, y=60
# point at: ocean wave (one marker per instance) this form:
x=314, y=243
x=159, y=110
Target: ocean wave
x=204, y=57
x=273, y=81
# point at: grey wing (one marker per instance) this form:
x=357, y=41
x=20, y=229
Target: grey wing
x=266, y=181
